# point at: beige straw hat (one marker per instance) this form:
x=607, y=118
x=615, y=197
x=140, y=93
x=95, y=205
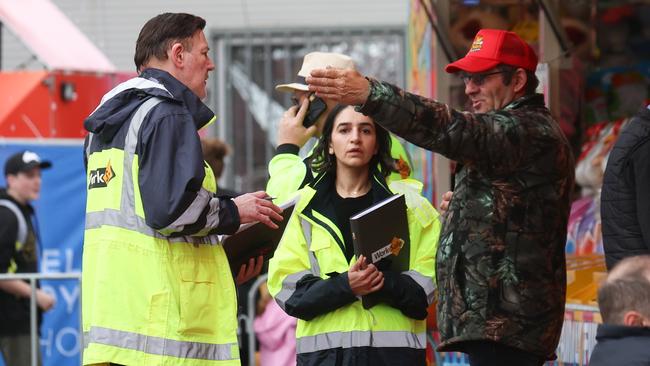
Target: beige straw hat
x=313, y=61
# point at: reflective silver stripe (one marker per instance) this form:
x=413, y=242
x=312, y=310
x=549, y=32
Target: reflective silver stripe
x=192, y=213
x=90, y=141
x=289, y=287
x=135, y=83
x=128, y=200
x=127, y=205
x=126, y=217
x=306, y=230
x=212, y=218
x=160, y=346
x=21, y=235
x=367, y=338
x=289, y=283
x=109, y=217
x=425, y=282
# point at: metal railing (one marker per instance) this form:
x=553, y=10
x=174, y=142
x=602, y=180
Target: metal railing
x=32, y=278
x=249, y=317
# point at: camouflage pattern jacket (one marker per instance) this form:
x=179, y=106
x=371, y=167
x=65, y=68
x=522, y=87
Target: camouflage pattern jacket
x=500, y=264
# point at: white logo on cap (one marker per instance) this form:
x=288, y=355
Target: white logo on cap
x=29, y=156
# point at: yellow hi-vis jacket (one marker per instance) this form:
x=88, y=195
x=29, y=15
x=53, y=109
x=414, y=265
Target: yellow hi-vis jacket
x=150, y=298
x=310, y=255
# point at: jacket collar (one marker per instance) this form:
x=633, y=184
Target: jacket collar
x=319, y=201
x=644, y=113
x=201, y=114
x=26, y=208
x=536, y=100
x=620, y=331
x=324, y=188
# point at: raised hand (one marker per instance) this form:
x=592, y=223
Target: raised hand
x=254, y=207
x=343, y=86
x=291, y=130
x=44, y=300
x=446, y=199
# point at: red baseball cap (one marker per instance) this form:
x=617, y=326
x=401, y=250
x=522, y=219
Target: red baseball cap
x=492, y=47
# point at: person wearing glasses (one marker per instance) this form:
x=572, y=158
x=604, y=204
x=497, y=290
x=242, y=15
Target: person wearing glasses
x=500, y=263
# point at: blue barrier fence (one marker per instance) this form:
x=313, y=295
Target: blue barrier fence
x=60, y=218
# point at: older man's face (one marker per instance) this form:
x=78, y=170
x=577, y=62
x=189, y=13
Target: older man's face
x=197, y=65
x=486, y=90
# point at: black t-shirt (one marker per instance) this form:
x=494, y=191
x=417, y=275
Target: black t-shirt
x=14, y=312
x=345, y=208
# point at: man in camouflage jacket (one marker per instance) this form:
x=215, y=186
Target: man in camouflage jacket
x=500, y=262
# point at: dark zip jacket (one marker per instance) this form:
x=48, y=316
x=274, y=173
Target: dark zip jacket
x=620, y=345
x=171, y=166
x=500, y=264
x=625, y=198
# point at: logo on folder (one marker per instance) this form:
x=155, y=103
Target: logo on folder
x=393, y=248
x=100, y=177
x=477, y=44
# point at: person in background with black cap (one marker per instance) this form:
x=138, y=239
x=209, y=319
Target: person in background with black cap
x=19, y=254
x=500, y=264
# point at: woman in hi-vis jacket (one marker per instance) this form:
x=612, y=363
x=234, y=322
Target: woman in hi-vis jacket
x=314, y=275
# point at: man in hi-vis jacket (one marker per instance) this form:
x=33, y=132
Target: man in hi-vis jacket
x=157, y=287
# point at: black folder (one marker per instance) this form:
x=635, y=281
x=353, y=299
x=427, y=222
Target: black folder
x=381, y=234
x=255, y=239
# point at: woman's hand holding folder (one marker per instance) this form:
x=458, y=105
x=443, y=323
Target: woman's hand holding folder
x=364, y=278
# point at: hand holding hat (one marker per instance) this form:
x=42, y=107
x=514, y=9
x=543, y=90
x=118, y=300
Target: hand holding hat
x=344, y=86
x=291, y=129
x=313, y=61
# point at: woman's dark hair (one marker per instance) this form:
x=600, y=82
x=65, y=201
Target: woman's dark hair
x=322, y=161
x=161, y=31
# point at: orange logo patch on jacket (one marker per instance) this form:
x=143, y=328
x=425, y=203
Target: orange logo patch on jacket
x=100, y=177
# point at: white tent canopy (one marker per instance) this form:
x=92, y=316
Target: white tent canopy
x=52, y=37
